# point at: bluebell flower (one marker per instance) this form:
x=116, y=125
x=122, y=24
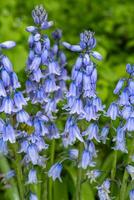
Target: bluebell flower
x=7, y=105
x=53, y=131
x=126, y=111
x=103, y=190
x=73, y=153
x=22, y=116
x=32, y=177
x=112, y=111
x=7, y=45
x=71, y=132
x=19, y=100
x=14, y=80
x=35, y=64
x=77, y=107
x=2, y=89
x=5, y=78
x=54, y=68
x=55, y=171
x=32, y=153
x=91, y=148
x=75, y=48
x=86, y=159
x=104, y=134
x=119, y=86
x=130, y=170
x=92, y=132
x=7, y=64
x=3, y=147
x=33, y=196
x=124, y=97
x=131, y=195
x=40, y=127
x=130, y=124
x=8, y=133
x=130, y=69
x=93, y=175
x=37, y=75
x=131, y=87
x=50, y=85
x=120, y=140
x=97, y=55
x=9, y=174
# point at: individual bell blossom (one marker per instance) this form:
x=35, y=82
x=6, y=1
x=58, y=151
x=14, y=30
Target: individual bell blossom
x=92, y=132
x=19, y=100
x=32, y=177
x=119, y=86
x=32, y=153
x=7, y=45
x=7, y=105
x=3, y=147
x=8, y=133
x=91, y=149
x=124, y=97
x=131, y=194
x=93, y=175
x=130, y=124
x=5, y=78
x=104, y=134
x=22, y=116
x=71, y=132
x=103, y=190
x=130, y=69
x=10, y=174
x=14, y=81
x=2, y=89
x=130, y=170
x=86, y=159
x=131, y=86
x=55, y=171
x=7, y=64
x=112, y=111
x=120, y=140
x=33, y=196
x=73, y=153
x=126, y=111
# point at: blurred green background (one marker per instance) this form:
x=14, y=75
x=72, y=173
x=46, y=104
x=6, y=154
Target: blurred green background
x=111, y=20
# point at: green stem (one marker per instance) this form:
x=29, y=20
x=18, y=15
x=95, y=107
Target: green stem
x=125, y=176
x=18, y=170
x=113, y=172
x=50, y=182
x=79, y=176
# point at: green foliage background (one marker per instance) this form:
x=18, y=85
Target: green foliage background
x=111, y=20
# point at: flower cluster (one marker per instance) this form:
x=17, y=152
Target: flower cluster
x=11, y=100
x=123, y=108
x=82, y=100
